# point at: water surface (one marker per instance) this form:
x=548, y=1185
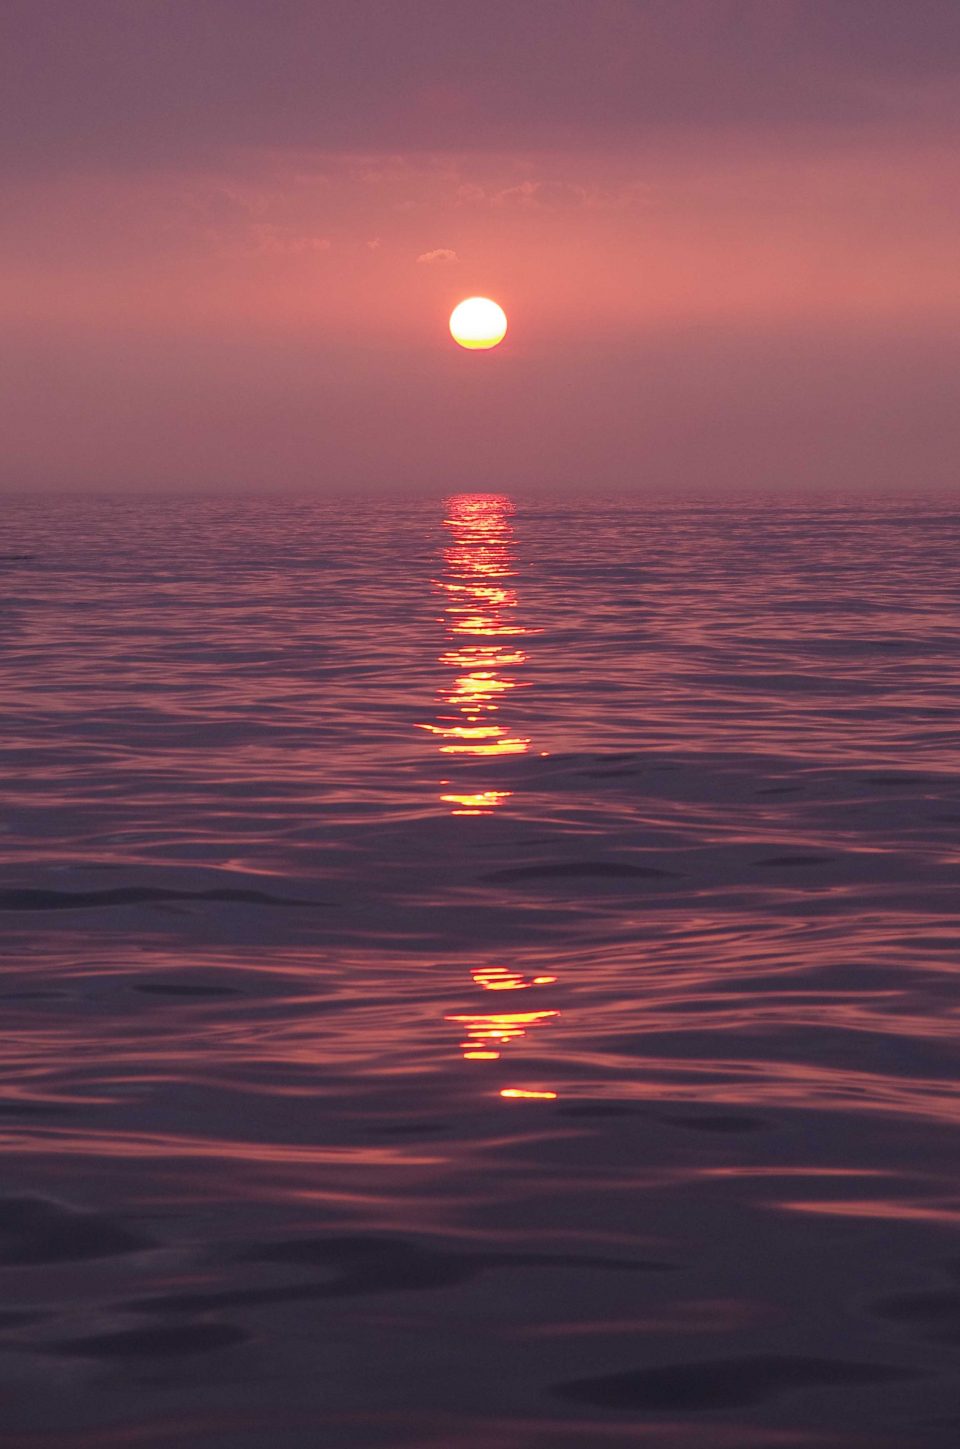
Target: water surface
x=479, y=974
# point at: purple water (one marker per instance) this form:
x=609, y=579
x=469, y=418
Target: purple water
x=479, y=974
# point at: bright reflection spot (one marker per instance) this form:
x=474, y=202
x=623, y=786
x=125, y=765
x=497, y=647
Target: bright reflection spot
x=478, y=803
x=479, y=615
x=491, y=1031
x=519, y=1092
x=487, y=1033
x=499, y=978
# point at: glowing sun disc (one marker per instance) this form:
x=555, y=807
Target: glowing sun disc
x=477, y=323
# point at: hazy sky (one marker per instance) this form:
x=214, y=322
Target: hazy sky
x=725, y=233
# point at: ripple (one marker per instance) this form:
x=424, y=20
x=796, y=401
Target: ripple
x=53, y=900
x=36, y=1230
x=574, y=869
x=181, y=1341
x=731, y=1383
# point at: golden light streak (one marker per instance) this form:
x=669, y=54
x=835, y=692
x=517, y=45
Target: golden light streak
x=521, y=1092
x=480, y=607
x=499, y=978
x=488, y=1032
x=477, y=804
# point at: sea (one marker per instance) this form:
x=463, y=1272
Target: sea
x=479, y=973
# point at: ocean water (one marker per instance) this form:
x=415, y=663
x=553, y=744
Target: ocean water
x=479, y=974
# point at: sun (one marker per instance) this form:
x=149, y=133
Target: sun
x=478, y=323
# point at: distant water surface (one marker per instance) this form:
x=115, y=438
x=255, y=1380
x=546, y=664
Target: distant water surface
x=480, y=975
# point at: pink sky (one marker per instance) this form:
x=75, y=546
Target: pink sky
x=725, y=235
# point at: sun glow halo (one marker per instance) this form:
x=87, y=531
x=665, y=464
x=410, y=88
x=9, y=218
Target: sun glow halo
x=478, y=324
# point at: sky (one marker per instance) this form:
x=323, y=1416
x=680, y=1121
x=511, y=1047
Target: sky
x=725, y=233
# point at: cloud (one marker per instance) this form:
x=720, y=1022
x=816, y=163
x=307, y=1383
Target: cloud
x=269, y=240
x=542, y=193
x=265, y=239
x=554, y=193
x=442, y=254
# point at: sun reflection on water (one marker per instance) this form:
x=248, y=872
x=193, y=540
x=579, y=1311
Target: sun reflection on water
x=486, y=1033
x=483, y=653
x=521, y=1094
x=479, y=607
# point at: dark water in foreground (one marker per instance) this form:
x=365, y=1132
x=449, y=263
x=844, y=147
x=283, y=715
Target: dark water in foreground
x=479, y=978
